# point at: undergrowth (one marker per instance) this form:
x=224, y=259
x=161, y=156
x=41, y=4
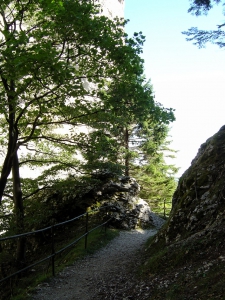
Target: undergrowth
x=21, y=288
x=192, y=269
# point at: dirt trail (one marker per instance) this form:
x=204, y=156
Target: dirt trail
x=107, y=274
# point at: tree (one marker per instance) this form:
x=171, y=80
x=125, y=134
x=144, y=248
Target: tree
x=49, y=52
x=136, y=115
x=202, y=6
x=44, y=64
x=63, y=66
x=201, y=37
x=156, y=177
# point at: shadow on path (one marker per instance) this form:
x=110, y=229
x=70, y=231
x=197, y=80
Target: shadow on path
x=107, y=274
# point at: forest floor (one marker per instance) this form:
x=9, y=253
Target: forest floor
x=110, y=273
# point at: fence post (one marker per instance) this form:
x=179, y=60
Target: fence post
x=53, y=251
x=86, y=231
x=164, y=207
x=106, y=213
x=105, y=227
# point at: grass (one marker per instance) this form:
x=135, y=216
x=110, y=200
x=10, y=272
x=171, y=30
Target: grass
x=209, y=285
x=25, y=285
x=191, y=269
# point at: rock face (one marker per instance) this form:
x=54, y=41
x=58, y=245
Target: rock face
x=199, y=200
x=190, y=248
x=127, y=209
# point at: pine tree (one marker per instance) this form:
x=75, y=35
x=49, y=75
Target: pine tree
x=156, y=176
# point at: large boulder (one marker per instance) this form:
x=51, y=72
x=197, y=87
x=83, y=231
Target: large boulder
x=188, y=253
x=127, y=209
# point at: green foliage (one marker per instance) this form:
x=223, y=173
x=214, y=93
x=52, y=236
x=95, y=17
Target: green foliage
x=136, y=119
x=96, y=240
x=50, y=53
x=156, y=177
x=202, y=6
x=201, y=37
x=73, y=102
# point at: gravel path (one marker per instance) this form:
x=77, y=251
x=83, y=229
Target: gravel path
x=107, y=274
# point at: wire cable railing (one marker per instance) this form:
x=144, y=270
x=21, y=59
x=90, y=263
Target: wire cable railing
x=52, y=243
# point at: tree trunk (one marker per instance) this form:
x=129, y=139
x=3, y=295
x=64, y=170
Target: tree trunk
x=127, y=158
x=12, y=136
x=4, y=175
x=18, y=210
x=7, y=165
x=11, y=162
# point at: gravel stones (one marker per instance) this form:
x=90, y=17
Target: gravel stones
x=108, y=274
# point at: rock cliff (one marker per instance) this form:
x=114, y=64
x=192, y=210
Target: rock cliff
x=199, y=201
x=188, y=254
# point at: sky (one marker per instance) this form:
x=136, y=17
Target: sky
x=184, y=77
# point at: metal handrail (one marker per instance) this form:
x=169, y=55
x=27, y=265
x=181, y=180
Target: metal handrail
x=39, y=230
x=54, y=253
x=49, y=227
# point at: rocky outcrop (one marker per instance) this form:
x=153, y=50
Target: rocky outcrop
x=128, y=211
x=199, y=201
x=188, y=254
x=119, y=194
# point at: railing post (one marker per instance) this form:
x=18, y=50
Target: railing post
x=106, y=223
x=164, y=207
x=86, y=231
x=52, y=242
x=53, y=251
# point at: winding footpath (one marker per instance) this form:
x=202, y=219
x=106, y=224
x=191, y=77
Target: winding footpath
x=107, y=274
